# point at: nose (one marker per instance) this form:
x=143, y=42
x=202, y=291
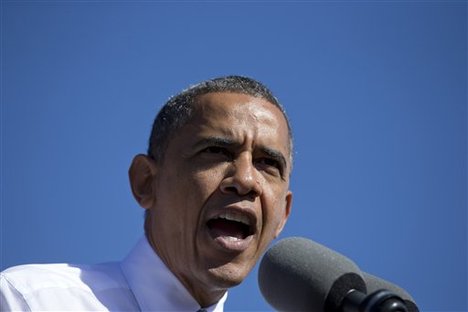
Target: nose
x=242, y=178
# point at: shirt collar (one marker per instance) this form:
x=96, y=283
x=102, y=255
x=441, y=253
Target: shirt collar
x=154, y=286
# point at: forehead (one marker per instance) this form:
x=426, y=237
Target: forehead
x=234, y=105
x=244, y=111
x=240, y=118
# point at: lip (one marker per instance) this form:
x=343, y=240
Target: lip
x=231, y=244
x=227, y=243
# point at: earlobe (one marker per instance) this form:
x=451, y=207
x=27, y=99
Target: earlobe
x=286, y=212
x=141, y=174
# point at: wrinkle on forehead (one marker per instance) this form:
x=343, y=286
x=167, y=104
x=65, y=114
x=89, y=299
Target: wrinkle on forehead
x=258, y=109
x=253, y=117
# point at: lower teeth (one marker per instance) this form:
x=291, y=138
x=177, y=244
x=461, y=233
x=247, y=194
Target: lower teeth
x=231, y=238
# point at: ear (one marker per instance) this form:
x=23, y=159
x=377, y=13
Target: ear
x=141, y=174
x=286, y=212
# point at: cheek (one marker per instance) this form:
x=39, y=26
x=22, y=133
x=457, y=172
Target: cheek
x=274, y=213
x=183, y=203
x=206, y=182
x=185, y=184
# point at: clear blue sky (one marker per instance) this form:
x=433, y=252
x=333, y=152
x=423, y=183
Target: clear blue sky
x=376, y=92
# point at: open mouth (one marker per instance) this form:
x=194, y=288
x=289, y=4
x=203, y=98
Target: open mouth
x=231, y=226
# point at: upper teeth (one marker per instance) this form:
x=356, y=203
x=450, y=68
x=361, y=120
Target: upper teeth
x=232, y=216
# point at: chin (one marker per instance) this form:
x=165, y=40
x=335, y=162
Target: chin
x=227, y=277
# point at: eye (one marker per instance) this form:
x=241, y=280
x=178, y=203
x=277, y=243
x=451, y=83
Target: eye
x=270, y=165
x=216, y=151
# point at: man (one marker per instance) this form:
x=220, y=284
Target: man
x=215, y=187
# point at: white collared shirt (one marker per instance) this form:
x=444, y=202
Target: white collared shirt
x=141, y=282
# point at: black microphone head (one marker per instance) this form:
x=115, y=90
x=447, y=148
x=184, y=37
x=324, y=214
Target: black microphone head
x=375, y=283
x=297, y=274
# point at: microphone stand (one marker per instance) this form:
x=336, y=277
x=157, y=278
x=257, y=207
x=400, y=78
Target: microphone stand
x=378, y=301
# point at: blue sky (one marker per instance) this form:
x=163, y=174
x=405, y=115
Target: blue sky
x=376, y=93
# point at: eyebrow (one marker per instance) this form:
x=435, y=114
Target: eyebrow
x=226, y=142
x=276, y=155
x=217, y=141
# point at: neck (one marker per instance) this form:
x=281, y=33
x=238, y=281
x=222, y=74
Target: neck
x=204, y=294
x=204, y=298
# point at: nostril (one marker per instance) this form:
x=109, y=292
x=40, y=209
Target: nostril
x=241, y=185
x=251, y=195
x=248, y=194
x=230, y=189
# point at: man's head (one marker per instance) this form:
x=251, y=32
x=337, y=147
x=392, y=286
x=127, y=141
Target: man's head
x=217, y=192
x=179, y=109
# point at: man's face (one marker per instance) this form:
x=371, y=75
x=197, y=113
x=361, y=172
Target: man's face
x=221, y=193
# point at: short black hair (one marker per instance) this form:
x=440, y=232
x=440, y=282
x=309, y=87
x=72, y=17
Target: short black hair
x=179, y=109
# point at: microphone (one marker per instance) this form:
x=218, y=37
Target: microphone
x=375, y=283
x=298, y=274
